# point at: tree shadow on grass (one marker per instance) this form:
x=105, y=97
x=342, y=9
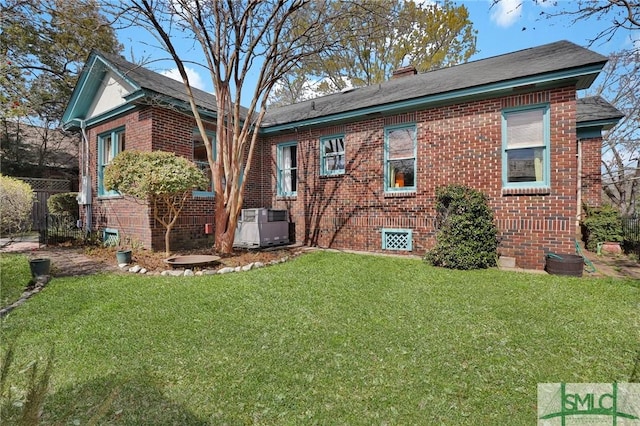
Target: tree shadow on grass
x=135, y=399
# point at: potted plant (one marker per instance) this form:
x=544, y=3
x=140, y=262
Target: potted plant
x=602, y=229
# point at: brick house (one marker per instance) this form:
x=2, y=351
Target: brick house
x=359, y=169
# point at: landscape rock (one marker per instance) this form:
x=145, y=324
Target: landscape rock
x=226, y=270
x=247, y=267
x=143, y=271
x=135, y=269
x=122, y=265
x=258, y=265
x=188, y=273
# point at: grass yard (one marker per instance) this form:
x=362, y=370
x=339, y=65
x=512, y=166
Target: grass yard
x=327, y=338
x=15, y=274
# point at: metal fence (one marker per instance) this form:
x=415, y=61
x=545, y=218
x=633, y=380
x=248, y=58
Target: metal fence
x=55, y=229
x=631, y=232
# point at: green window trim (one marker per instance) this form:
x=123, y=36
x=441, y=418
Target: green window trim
x=400, y=159
x=287, y=163
x=201, y=161
x=332, y=155
x=110, y=144
x=527, y=165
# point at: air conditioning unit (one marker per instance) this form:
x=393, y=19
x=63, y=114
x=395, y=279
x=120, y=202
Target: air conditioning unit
x=262, y=228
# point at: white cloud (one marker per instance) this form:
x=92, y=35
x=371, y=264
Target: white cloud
x=506, y=12
x=194, y=78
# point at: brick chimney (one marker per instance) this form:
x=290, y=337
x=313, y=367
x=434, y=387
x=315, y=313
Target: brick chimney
x=407, y=71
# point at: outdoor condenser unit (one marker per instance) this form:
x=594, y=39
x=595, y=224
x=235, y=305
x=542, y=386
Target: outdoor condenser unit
x=262, y=228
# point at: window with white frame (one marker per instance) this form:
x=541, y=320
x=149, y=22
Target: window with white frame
x=332, y=155
x=525, y=142
x=200, y=159
x=109, y=145
x=400, y=158
x=287, y=169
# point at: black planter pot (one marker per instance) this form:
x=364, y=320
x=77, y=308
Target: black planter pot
x=40, y=266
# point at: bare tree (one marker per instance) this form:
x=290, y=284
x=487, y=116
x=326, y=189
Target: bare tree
x=621, y=145
x=241, y=41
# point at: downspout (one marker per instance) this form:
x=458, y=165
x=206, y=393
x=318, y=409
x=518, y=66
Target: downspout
x=579, y=197
x=86, y=182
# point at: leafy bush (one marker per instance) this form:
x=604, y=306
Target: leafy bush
x=64, y=204
x=467, y=236
x=16, y=202
x=163, y=179
x=601, y=224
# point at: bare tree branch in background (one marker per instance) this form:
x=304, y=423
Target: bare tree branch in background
x=239, y=40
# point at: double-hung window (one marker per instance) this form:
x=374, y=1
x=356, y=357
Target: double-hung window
x=400, y=158
x=109, y=145
x=332, y=155
x=287, y=169
x=525, y=143
x=202, y=162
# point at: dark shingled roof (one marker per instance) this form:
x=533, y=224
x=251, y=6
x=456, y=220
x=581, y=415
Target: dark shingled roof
x=537, y=61
x=594, y=108
x=154, y=82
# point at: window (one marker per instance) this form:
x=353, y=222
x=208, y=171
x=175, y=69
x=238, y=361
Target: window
x=400, y=158
x=397, y=239
x=332, y=155
x=525, y=142
x=200, y=160
x=287, y=169
x=109, y=145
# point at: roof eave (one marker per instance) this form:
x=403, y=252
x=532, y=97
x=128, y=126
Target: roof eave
x=581, y=77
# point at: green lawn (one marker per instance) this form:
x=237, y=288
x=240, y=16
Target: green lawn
x=327, y=338
x=14, y=277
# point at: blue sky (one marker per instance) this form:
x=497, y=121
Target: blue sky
x=507, y=27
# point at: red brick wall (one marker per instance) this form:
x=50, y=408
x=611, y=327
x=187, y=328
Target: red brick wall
x=458, y=143
x=150, y=129
x=591, y=171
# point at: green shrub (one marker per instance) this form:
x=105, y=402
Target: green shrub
x=601, y=224
x=64, y=204
x=16, y=202
x=467, y=236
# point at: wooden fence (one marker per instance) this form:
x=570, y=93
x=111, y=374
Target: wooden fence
x=44, y=188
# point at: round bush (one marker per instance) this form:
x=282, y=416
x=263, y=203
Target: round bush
x=16, y=202
x=467, y=236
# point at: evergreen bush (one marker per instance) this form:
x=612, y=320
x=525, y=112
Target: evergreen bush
x=601, y=224
x=467, y=236
x=64, y=204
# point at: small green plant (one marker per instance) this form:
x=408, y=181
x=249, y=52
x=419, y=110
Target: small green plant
x=601, y=224
x=467, y=236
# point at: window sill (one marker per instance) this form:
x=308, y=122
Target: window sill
x=286, y=197
x=110, y=197
x=526, y=191
x=332, y=175
x=400, y=194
